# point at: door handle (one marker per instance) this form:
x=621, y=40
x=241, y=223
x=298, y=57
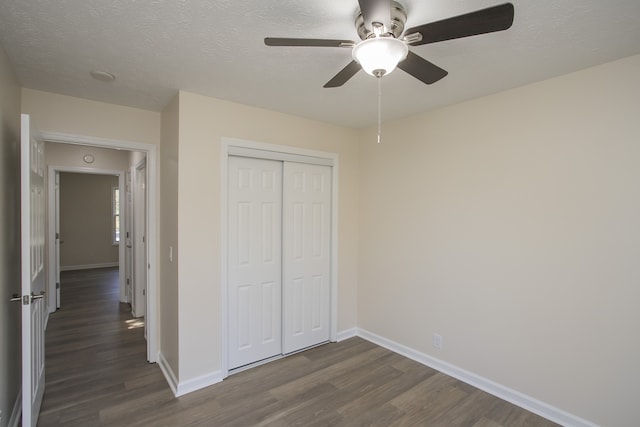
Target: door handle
x=35, y=297
x=16, y=297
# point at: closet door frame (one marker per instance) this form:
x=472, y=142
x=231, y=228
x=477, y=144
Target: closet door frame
x=260, y=150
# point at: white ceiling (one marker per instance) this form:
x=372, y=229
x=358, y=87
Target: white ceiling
x=215, y=48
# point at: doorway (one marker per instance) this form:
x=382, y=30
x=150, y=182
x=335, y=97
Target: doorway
x=92, y=226
x=149, y=152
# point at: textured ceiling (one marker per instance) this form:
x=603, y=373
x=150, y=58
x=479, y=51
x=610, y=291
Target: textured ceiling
x=215, y=48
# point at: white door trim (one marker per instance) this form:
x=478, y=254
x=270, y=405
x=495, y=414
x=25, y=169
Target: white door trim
x=151, y=150
x=261, y=150
x=51, y=226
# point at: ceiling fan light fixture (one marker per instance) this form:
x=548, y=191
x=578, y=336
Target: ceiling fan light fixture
x=380, y=55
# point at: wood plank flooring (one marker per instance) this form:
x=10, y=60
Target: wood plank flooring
x=97, y=375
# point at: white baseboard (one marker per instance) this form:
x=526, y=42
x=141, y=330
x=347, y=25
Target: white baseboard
x=16, y=413
x=168, y=373
x=88, y=266
x=522, y=400
x=199, y=382
x=346, y=334
x=182, y=388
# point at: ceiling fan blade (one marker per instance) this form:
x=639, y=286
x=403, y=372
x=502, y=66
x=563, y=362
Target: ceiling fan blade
x=496, y=18
x=421, y=69
x=376, y=11
x=283, y=41
x=344, y=75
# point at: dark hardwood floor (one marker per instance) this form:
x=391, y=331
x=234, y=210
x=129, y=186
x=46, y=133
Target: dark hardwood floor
x=97, y=374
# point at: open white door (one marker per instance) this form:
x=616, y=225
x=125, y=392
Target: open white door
x=139, y=302
x=57, y=238
x=32, y=270
x=53, y=250
x=128, y=237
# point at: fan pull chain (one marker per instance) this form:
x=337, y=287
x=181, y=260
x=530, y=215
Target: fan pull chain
x=379, y=109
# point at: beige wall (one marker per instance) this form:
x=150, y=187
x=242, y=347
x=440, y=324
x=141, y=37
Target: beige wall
x=510, y=225
x=66, y=114
x=203, y=123
x=169, y=225
x=86, y=221
x=71, y=156
x=9, y=236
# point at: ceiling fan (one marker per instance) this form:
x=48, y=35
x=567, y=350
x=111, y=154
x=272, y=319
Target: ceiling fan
x=385, y=44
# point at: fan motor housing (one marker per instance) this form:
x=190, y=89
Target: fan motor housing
x=398, y=19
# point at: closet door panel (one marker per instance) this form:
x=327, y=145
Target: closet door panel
x=306, y=255
x=254, y=260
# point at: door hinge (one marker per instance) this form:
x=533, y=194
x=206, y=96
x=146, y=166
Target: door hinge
x=144, y=292
x=57, y=285
x=144, y=239
x=128, y=281
x=57, y=236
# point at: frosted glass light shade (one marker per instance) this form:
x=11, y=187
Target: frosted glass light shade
x=380, y=55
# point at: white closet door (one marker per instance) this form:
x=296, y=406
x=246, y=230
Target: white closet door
x=254, y=260
x=307, y=255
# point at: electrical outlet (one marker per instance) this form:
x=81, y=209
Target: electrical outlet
x=437, y=341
